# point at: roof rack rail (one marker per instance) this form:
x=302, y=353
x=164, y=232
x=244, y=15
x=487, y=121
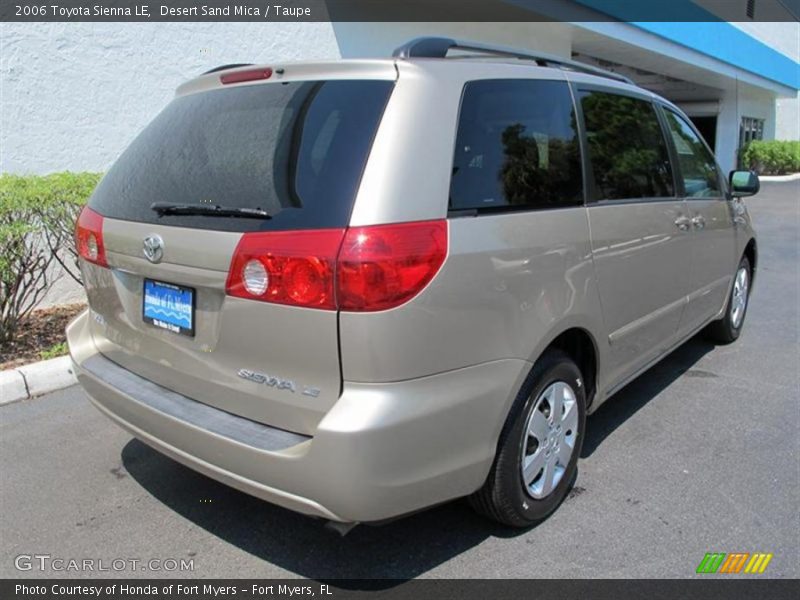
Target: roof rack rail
x=438, y=47
x=226, y=67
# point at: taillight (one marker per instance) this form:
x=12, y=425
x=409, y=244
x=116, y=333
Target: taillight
x=360, y=269
x=286, y=267
x=89, y=237
x=383, y=266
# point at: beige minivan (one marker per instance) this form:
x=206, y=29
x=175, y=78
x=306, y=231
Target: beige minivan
x=360, y=288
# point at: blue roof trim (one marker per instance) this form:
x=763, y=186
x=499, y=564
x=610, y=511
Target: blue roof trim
x=704, y=32
x=633, y=10
x=730, y=44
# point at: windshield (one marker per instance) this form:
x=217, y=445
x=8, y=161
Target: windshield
x=295, y=150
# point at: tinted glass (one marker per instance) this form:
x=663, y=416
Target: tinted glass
x=296, y=150
x=516, y=147
x=627, y=150
x=698, y=168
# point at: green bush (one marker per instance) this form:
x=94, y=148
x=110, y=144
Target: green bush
x=60, y=197
x=37, y=217
x=773, y=157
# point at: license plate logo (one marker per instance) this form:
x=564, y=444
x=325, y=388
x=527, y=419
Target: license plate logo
x=169, y=307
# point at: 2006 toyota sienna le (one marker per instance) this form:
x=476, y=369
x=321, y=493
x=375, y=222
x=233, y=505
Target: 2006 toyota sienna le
x=360, y=288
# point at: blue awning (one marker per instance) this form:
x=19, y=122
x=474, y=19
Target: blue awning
x=703, y=32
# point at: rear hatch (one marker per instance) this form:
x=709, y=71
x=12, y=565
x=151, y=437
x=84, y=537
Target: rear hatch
x=294, y=149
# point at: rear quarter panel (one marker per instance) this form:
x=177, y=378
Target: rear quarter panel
x=511, y=282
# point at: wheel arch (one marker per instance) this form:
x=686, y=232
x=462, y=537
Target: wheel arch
x=751, y=252
x=579, y=344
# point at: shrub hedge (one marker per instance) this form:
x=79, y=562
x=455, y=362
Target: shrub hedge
x=37, y=218
x=773, y=157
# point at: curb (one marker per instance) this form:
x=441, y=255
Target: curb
x=780, y=178
x=36, y=379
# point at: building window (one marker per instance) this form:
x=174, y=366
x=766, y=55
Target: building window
x=750, y=129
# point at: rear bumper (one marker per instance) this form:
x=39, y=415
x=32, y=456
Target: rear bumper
x=383, y=450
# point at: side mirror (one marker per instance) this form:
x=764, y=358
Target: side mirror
x=744, y=183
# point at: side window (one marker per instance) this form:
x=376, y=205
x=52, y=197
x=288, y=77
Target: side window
x=627, y=150
x=516, y=147
x=698, y=168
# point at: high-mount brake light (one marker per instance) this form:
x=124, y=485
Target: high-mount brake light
x=247, y=75
x=361, y=269
x=89, y=237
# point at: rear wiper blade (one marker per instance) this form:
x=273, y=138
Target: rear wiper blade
x=214, y=210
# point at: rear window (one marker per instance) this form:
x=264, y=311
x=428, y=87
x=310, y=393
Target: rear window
x=296, y=150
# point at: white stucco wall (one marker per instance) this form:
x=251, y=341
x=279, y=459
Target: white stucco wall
x=741, y=101
x=787, y=119
x=73, y=95
x=785, y=38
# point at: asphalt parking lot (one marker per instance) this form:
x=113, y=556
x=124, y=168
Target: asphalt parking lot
x=700, y=454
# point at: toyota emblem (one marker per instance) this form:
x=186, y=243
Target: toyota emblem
x=154, y=248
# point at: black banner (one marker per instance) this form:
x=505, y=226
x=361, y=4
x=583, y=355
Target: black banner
x=395, y=10
x=439, y=589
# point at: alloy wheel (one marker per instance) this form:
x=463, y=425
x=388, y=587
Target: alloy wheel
x=741, y=286
x=551, y=433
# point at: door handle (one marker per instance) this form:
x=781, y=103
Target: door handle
x=699, y=222
x=683, y=223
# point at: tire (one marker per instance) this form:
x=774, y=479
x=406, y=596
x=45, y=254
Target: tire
x=505, y=497
x=728, y=328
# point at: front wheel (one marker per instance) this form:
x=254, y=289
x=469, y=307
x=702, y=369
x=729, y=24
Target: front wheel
x=728, y=328
x=537, y=456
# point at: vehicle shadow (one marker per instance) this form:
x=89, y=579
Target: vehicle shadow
x=395, y=551
x=627, y=402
